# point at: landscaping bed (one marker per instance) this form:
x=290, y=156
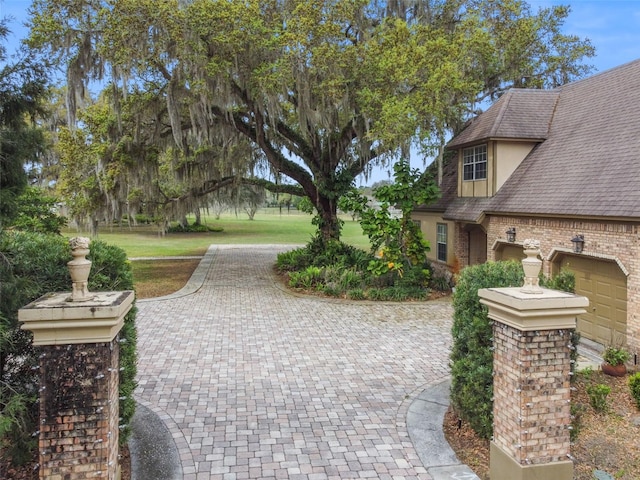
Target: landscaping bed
x=606, y=441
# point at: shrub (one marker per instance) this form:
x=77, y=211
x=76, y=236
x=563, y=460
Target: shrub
x=350, y=279
x=142, y=218
x=37, y=212
x=634, y=384
x=294, y=260
x=338, y=269
x=356, y=294
x=616, y=356
x=564, y=281
x=111, y=271
x=417, y=276
x=195, y=228
x=330, y=290
x=598, y=396
x=440, y=283
x=471, y=354
x=308, y=278
x=577, y=410
x=376, y=294
x=31, y=265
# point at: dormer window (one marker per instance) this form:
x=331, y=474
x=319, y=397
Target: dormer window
x=474, y=162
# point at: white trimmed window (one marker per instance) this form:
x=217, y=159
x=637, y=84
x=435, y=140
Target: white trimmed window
x=441, y=242
x=474, y=163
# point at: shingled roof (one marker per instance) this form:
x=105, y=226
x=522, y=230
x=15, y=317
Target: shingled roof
x=518, y=114
x=589, y=162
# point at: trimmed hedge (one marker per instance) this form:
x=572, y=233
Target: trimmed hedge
x=31, y=265
x=471, y=353
x=472, y=330
x=634, y=386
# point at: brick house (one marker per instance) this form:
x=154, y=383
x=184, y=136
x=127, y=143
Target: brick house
x=553, y=165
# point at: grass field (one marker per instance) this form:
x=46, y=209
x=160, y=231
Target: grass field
x=155, y=278
x=268, y=227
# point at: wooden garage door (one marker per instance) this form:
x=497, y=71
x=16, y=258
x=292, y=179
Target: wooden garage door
x=606, y=287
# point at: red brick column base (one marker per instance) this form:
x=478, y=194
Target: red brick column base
x=79, y=411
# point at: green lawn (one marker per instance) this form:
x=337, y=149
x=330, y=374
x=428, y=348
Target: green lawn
x=268, y=227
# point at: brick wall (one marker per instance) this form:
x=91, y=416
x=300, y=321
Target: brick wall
x=531, y=394
x=79, y=411
x=614, y=239
x=461, y=246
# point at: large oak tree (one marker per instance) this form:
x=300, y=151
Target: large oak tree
x=320, y=91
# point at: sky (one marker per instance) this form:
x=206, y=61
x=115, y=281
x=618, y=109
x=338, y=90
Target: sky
x=612, y=26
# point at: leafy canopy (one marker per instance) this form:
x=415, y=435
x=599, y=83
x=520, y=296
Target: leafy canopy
x=318, y=91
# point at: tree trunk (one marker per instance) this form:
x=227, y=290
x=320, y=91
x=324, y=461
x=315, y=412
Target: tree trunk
x=329, y=222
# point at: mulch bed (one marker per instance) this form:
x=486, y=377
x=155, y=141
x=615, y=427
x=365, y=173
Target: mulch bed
x=605, y=441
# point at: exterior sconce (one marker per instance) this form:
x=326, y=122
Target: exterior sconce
x=511, y=235
x=578, y=243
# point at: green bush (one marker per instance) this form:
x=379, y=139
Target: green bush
x=294, y=260
x=330, y=290
x=321, y=253
x=308, y=278
x=37, y=212
x=564, y=281
x=440, y=283
x=598, y=396
x=471, y=353
x=416, y=276
x=144, y=219
x=396, y=293
x=356, y=294
x=634, y=385
x=577, y=411
x=31, y=265
x=338, y=269
x=195, y=228
x=350, y=279
x=616, y=355
x=111, y=271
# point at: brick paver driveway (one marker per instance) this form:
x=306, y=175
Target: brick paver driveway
x=254, y=382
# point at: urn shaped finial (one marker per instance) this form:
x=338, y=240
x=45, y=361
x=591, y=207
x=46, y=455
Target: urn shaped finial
x=532, y=266
x=79, y=269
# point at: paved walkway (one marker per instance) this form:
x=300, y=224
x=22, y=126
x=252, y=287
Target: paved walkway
x=253, y=382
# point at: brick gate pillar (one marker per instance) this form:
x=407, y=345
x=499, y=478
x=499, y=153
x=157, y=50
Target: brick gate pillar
x=79, y=364
x=531, y=388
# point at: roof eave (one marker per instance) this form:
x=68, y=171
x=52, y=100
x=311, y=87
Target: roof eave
x=597, y=218
x=478, y=141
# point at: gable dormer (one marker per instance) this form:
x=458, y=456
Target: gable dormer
x=492, y=146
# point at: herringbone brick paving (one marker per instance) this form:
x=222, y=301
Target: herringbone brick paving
x=257, y=383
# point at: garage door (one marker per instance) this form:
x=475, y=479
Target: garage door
x=510, y=252
x=605, y=285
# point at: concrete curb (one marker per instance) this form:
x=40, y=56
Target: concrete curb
x=424, y=423
x=154, y=455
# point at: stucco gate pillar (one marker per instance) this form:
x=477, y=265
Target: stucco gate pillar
x=531, y=363
x=79, y=375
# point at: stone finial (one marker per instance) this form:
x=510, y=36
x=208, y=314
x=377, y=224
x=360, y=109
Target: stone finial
x=79, y=269
x=532, y=266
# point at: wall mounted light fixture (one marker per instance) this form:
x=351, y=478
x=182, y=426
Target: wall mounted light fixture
x=578, y=243
x=511, y=235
